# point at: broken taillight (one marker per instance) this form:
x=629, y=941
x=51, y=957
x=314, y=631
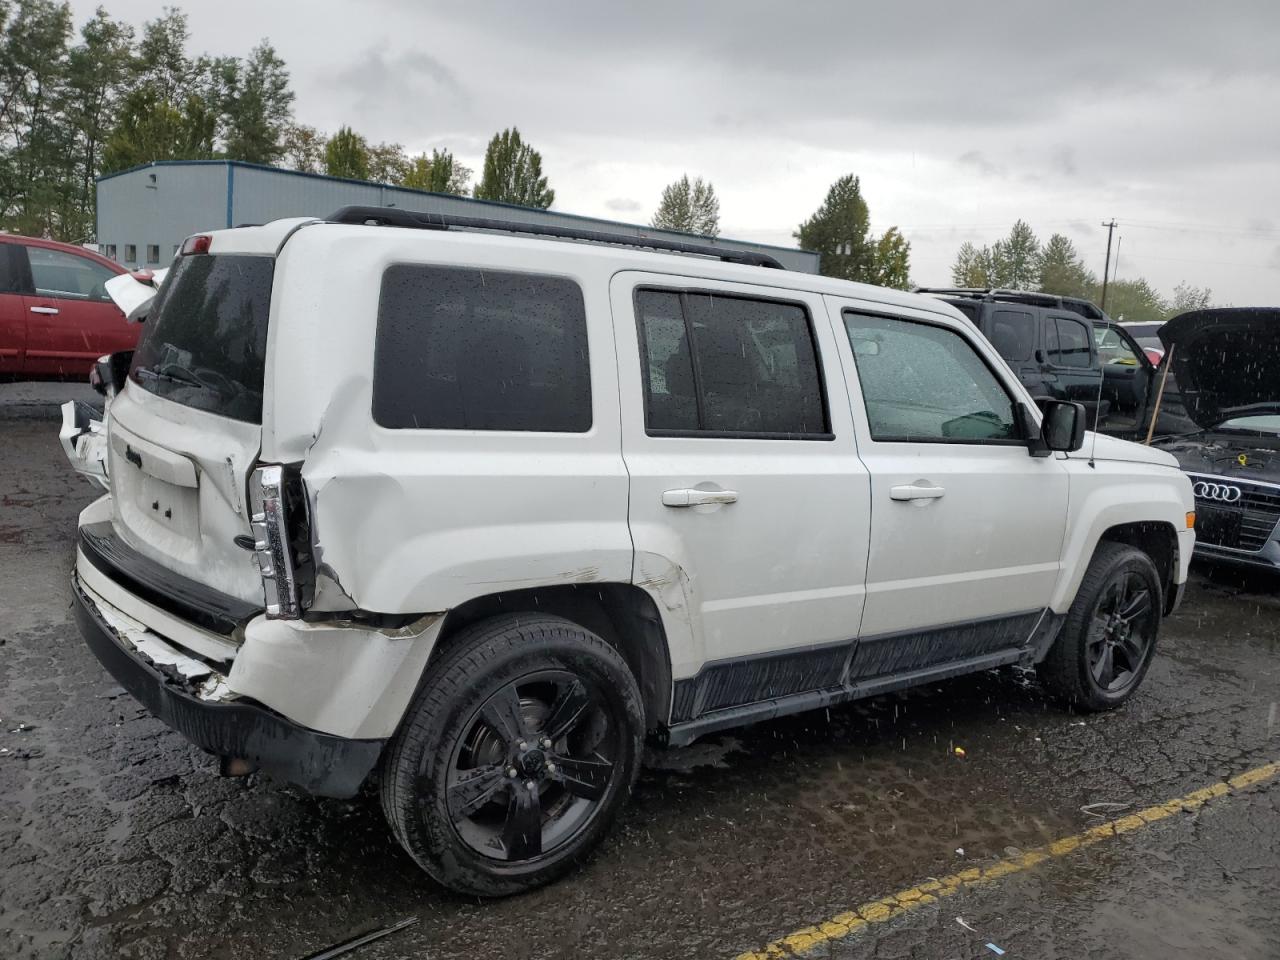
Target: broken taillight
x=269, y=521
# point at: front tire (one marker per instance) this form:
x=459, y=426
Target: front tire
x=515, y=756
x=1109, y=637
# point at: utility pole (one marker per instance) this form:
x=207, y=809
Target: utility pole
x=1106, y=270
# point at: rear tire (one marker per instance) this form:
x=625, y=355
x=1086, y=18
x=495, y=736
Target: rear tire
x=515, y=756
x=1108, y=640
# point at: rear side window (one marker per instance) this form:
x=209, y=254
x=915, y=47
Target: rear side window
x=1013, y=334
x=468, y=349
x=729, y=365
x=204, y=344
x=1073, y=344
x=13, y=268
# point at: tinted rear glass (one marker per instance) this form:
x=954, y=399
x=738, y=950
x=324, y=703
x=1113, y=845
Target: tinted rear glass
x=466, y=349
x=204, y=344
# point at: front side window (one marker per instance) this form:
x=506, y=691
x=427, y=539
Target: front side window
x=926, y=384
x=1072, y=349
x=468, y=349
x=729, y=365
x=65, y=276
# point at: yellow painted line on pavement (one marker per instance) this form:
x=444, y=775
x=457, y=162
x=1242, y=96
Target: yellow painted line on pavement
x=889, y=908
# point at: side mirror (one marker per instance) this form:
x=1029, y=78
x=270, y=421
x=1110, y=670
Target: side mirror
x=1063, y=425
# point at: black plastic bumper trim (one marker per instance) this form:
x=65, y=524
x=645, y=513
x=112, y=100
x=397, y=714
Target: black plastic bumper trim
x=321, y=763
x=161, y=587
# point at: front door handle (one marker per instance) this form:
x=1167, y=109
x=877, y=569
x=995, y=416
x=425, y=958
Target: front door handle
x=693, y=497
x=47, y=311
x=909, y=491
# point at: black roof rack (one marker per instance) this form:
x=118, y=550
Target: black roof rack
x=1086, y=308
x=395, y=217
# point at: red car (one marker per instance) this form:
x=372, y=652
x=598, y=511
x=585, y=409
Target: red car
x=55, y=316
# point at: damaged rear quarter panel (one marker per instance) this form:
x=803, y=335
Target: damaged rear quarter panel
x=419, y=521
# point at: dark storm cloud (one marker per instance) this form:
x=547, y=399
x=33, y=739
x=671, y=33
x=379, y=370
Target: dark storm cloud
x=379, y=84
x=959, y=117
x=840, y=74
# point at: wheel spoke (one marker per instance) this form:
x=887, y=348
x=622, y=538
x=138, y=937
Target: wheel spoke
x=1138, y=605
x=568, y=710
x=522, y=831
x=502, y=713
x=469, y=790
x=1132, y=649
x=1104, y=667
x=584, y=778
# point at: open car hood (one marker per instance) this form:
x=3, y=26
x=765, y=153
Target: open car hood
x=1226, y=362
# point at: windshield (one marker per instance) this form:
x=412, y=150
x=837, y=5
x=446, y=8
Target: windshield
x=205, y=342
x=1262, y=424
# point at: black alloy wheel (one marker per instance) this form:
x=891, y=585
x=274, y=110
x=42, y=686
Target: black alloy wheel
x=1108, y=638
x=1122, y=631
x=520, y=747
x=533, y=767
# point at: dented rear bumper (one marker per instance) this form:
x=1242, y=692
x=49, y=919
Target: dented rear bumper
x=321, y=763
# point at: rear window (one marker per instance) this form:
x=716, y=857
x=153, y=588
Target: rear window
x=468, y=349
x=204, y=344
x=1013, y=334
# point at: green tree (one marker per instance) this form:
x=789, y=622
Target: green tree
x=840, y=230
x=257, y=106
x=173, y=110
x=439, y=173
x=893, y=261
x=1015, y=259
x=388, y=163
x=689, y=208
x=973, y=267
x=1187, y=297
x=1062, y=271
x=513, y=173
x=97, y=76
x=1133, y=301
x=304, y=148
x=162, y=64
x=151, y=129
x=34, y=143
x=347, y=155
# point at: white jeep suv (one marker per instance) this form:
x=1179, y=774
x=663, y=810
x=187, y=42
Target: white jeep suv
x=476, y=512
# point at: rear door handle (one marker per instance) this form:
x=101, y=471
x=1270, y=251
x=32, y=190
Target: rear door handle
x=692, y=497
x=47, y=311
x=910, y=491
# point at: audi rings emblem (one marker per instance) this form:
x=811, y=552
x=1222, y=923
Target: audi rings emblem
x=1221, y=492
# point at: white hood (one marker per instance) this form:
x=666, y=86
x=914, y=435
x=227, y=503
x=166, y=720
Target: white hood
x=1113, y=448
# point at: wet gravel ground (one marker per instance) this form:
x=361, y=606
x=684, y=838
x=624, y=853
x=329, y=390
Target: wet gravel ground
x=117, y=839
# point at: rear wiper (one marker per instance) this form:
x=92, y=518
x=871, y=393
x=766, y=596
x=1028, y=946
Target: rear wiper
x=171, y=377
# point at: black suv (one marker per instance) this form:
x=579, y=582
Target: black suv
x=1060, y=347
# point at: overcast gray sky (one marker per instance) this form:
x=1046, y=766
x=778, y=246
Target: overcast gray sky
x=959, y=117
